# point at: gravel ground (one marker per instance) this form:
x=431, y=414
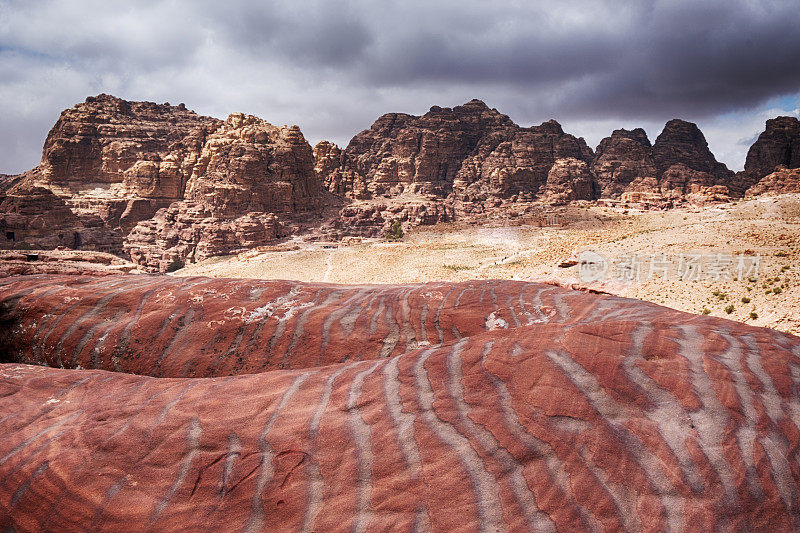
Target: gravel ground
x=767, y=228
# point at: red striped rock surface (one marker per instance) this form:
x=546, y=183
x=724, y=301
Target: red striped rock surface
x=204, y=327
x=586, y=412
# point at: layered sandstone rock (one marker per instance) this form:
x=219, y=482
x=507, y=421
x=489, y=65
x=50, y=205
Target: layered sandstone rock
x=199, y=186
x=97, y=141
x=620, y=159
x=518, y=168
x=188, y=232
x=250, y=165
x=779, y=182
x=472, y=151
x=122, y=160
x=62, y=261
x=487, y=406
x=333, y=169
x=569, y=180
x=679, y=166
x=247, y=172
x=449, y=163
x=112, y=163
x=33, y=217
x=373, y=218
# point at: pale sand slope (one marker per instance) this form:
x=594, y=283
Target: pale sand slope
x=498, y=249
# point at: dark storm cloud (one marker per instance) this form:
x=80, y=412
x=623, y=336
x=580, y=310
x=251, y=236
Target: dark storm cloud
x=334, y=66
x=327, y=33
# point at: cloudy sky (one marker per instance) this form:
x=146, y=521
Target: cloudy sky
x=332, y=67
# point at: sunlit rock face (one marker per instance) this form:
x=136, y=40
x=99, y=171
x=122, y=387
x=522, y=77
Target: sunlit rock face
x=470, y=151
x=247, y=174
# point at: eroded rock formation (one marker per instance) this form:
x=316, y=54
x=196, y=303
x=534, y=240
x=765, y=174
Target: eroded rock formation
x=568, y=180
x=99, y=140
x=779, y=182
x=197, y=186
x=678, y=167
x=33, y=217
x=620, y=159
x=487, y=406
x=777, y=148
x=778, y=145
x=200, y=186
x=470, y=151
x=247, y=172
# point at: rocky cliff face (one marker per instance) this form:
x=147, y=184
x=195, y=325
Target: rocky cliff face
x=114, y=163
x=677, y=165
x=250, y=165
x=777, y=147
x=198, y=185
x=247, y=172
x=568, y=180
x=448, y=163
x=620, y=159
x=34, y=218
x=470, y=151
x=682, y=143
x=98, y=141
x=518, y=167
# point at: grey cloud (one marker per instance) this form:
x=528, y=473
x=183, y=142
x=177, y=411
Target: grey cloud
x=580, y=61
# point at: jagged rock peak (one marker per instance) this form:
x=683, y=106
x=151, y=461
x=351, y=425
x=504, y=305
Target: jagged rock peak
x=682, y=142
x=636, y=134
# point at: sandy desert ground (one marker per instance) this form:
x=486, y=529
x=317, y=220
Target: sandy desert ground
x=737, y=237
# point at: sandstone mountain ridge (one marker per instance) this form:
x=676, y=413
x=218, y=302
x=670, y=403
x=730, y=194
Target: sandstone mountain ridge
x=165, y=186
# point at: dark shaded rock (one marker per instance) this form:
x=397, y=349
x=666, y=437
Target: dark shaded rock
x=569, y=180
x=622, y=158
x=777, y=148
x=779, y=182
